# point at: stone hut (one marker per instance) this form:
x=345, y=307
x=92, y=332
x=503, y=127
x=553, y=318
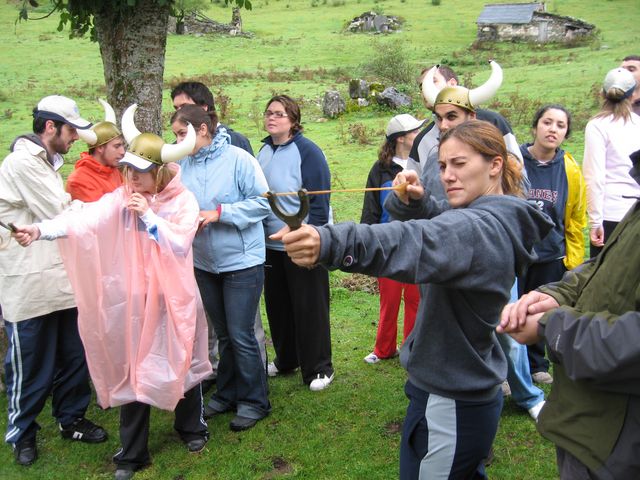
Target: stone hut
x=528, y=22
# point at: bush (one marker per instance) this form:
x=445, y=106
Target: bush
x=390, y=63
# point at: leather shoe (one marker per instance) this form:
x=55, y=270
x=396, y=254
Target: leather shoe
x=197, y=445
x=26, y=452
x=239, y=423
x=124, y=474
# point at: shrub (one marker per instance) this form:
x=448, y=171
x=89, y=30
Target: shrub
x=389, y=62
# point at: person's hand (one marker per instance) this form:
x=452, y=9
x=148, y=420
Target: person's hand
x=596, y=235
x=414, y=189
x=137, y=203
x=26, y=234
x=527, y=334
x=516, y=315
x=302, y=245
x=207, y=217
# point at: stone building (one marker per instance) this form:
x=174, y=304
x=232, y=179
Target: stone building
x=528, y=22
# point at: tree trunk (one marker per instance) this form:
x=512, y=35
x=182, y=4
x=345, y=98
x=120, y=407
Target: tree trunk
x=132, y=45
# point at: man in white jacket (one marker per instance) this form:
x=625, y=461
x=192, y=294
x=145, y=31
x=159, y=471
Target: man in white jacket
x=45, y=352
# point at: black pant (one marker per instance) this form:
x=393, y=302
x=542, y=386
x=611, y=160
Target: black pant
x=297, y=304
x=609, y=227
x=540, y=274
x=134, y=428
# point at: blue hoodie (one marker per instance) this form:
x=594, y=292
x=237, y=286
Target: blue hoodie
x=221, y=175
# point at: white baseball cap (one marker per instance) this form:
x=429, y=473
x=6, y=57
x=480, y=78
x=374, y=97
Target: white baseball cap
x=401, y=124
x=621, y=79
x=63, y=109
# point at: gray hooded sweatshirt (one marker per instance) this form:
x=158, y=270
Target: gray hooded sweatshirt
x=469, y=258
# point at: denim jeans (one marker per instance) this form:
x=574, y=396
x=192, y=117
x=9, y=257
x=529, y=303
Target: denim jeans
x=523, y=391
x=231, y=300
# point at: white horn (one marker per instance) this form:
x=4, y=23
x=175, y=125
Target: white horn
x=174, y=152
x=485, y=92
x=109, y=114
x=87, y=135
x=129, y=129
x=429, y=90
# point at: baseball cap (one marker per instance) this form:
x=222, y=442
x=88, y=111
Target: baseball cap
x=63, y=109
x=401, y=124
x=621, y=79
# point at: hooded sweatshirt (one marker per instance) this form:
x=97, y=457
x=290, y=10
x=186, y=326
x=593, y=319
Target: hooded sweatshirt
x=469, y=258
x=91, y=180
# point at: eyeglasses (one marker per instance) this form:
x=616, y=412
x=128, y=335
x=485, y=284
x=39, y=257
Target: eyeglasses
x=269, y=113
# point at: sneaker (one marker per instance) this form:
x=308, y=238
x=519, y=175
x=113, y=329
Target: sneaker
x=272, y=370
x=371, y=358
x=240, y=423
x=506, y=389
x=25, y=452
x=535, y=410
x=83, y=430
x=542, y=377
x=320, y=382
x=124, y=474
x=197, y=445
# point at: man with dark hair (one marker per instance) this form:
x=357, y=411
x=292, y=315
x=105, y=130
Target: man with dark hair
x=426, y=143
x=45, y=352
x=197, y=93
x=632, y=63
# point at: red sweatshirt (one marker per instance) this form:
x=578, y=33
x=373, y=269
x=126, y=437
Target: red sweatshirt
x=91, y=180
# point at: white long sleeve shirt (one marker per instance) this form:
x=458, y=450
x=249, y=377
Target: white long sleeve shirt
x=610, y=189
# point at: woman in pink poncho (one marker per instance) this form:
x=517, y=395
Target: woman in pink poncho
x=141, y=319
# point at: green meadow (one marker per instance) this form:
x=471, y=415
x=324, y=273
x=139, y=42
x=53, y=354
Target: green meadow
x=350, y=430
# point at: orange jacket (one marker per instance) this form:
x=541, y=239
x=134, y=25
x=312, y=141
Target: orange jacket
x=91, y=180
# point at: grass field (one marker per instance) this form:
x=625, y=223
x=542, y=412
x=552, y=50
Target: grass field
x=349, y=431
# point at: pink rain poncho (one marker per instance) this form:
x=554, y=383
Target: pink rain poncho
x=140, y=314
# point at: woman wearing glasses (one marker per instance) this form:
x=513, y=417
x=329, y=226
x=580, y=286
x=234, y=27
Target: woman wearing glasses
x=297, y=299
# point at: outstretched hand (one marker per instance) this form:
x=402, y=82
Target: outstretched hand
x=414, y=190
x=27, y=234
x=302, y=245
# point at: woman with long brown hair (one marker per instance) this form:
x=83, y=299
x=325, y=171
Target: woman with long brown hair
x=468, y=256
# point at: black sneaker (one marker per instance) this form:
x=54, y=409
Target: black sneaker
x=26, y=452
x=83, y=430
x=197, y=445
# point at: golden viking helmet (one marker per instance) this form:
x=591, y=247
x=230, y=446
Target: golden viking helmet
x=460, y=96
x=102, y=132
x=147, y=150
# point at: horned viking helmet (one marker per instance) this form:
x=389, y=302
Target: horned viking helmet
x=102, y=132
x=147, y=150
x=461, y=96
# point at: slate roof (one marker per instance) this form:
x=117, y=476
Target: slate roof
x=509, y=13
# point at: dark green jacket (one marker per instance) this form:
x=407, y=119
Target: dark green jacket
x=593, y=410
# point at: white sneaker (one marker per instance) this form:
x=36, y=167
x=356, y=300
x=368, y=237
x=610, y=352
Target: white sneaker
x=272, y=370
x=535, y=410
x=542, y=377
x=320, y=383
x=506, y=389
x=371, y=358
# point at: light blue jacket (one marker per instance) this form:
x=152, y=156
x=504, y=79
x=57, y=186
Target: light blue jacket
x=229, y=177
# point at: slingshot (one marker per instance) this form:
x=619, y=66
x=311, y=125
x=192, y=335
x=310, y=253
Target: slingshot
x=294, y=220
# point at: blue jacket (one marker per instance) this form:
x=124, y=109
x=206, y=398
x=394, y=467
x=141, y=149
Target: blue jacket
x=297, y=164
x=221, y=175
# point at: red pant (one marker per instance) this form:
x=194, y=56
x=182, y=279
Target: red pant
x=391, y=292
